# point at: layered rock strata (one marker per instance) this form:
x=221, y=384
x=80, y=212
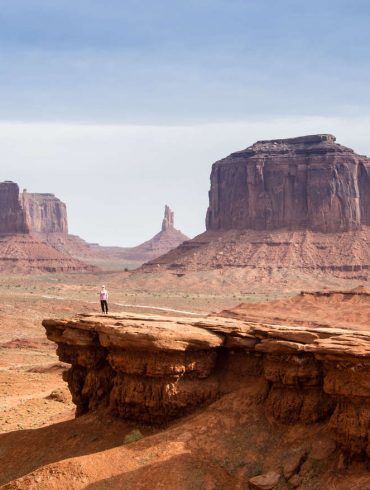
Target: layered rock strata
x=152, y=369
x=278, y=255
x=309, y=182
x=27, y=221
x=336, y=308
x=281, y=210
x=12, y=216
x=30, y=213
x=44, y=213
x=29, y=253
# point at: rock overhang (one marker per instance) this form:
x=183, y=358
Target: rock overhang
x=154, y=332
x=152, y=369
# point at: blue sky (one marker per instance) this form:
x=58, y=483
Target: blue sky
x=170, y=64
x=174, y=61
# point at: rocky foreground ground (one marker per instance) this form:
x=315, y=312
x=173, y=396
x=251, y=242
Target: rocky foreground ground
x=230, y=403
x=220, y=444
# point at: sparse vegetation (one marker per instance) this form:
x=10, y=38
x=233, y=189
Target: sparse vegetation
x=133, y=436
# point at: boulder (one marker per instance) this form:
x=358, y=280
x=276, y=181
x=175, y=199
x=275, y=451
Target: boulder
x=293, y=463
x=268, y=481
x=295, y=481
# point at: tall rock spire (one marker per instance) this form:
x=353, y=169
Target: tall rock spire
x=169, y=219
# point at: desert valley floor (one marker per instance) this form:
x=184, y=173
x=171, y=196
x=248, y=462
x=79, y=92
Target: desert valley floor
x=36, y=410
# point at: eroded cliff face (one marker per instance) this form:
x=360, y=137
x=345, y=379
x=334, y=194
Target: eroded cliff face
x=30, y=213
x=27, y=221
x=169, y=219
x=44, y=213
x=309, y=182
x=12, y=216
x=152, y=369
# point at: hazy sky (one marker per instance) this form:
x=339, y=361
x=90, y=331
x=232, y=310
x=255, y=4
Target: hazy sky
x=121, y=106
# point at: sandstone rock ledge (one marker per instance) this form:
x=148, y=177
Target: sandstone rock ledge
x=152, y=369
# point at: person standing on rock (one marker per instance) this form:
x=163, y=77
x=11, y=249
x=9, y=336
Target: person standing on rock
x=104, y=300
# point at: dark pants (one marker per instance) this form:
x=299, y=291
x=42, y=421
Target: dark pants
x=104, y=305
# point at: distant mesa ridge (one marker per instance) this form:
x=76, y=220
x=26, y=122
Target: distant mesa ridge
x=26, y=222
x=34, y=236
x=308, y=182
x=29, y=212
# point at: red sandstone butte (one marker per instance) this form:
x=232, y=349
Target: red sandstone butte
x=45, y=213
x=30, y=213
x=281, y=211
x=26, y=223
x=309, y=182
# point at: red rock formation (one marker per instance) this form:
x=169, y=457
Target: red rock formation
x=275, y=257
x=31, y=254
x=44, y=213
x=345, y=309
x=12, y=217
x=169, y=219
x=153, y=369
x=26, y=222
x=44, y=217
x=30, y=213
x=167, y=239
x=280, y=209
x=308, y=182
x=121, y=257
x=164, y=241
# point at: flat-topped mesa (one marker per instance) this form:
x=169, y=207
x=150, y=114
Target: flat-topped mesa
x=306, y=140
x=309, y=182
x=29, y=212
x=45, y=213
x=310, y=143
x=30, y=227
x=152, y=369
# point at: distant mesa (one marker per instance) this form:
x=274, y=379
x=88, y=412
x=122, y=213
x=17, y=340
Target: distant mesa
x=310, y=182
x=34, y=236
x=30, y=213
x=286, y=204
x=25, y=221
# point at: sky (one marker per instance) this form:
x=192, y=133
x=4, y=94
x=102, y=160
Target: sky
x=120, y=107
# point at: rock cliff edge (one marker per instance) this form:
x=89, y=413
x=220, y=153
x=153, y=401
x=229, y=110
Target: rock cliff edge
x=152, y=369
